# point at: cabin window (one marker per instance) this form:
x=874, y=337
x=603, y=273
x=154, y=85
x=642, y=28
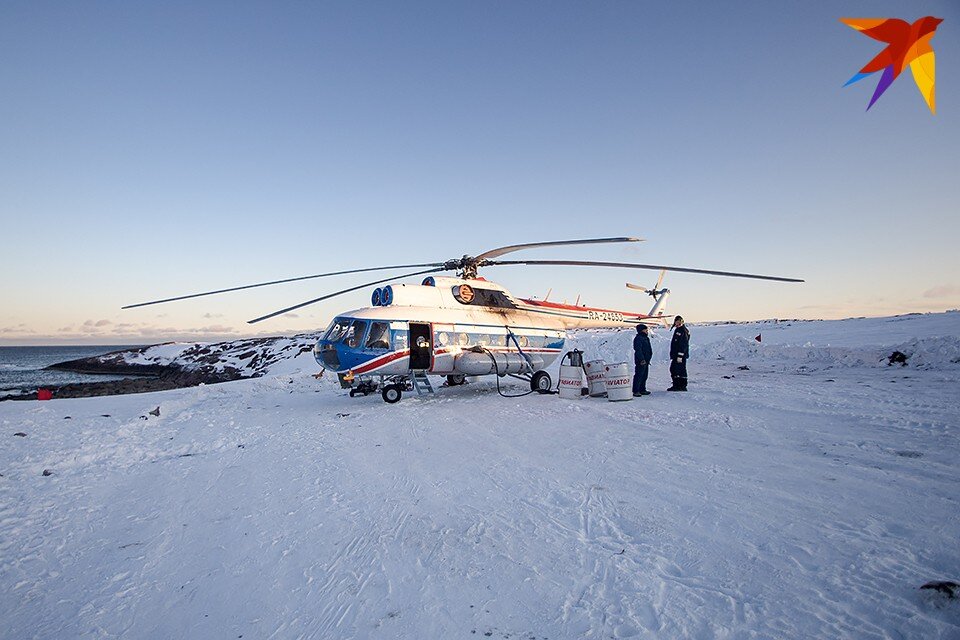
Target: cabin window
x=463, y=340
x=353, y=337
x=379, y=337
x=443, y=338
x=336, y=330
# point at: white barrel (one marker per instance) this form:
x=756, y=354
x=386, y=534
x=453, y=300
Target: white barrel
x=596, y=370
x=571, y=381
x=617, y=381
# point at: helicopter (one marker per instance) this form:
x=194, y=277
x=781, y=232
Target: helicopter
x=460, y=326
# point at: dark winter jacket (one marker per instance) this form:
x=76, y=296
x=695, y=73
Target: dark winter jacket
x=680, y=344
x=642, y=351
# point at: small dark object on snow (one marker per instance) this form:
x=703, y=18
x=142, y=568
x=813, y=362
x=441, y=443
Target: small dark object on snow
x=943, y=586
x=743, y=367
x=727, y=377
x=47, y=472
x=621, y=552
x=67, y=418
x=104, y=415
x=342, y=415
x=830, y=380
x=21, y=434
x=156, y=412
x=909, y=454
x=240, y=446
x=897, y=357
x=758, y=338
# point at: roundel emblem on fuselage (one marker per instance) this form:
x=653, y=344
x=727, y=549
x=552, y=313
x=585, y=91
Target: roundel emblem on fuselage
x=464, y=294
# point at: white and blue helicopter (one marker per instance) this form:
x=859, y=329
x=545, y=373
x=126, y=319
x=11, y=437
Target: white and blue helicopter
x=460, y=326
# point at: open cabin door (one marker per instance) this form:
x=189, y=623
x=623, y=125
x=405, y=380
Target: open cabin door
x=421, y=345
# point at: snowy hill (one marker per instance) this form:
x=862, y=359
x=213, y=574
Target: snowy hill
x=807, y=496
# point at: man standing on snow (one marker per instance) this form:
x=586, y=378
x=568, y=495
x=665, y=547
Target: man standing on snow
x=679, y=351
x=642, y=354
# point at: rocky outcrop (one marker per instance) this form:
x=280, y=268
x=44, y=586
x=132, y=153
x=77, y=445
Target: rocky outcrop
x=172, y=366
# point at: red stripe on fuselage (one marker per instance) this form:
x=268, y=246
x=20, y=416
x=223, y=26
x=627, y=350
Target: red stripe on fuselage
x=573, y=307
x=376, y=363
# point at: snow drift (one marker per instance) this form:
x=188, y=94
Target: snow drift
x=764, y=503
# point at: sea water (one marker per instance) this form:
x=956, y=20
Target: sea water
x=21, y=368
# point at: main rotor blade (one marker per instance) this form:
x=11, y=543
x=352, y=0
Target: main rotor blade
x=496, y=253
x=332, y=295
x=631, y=265
x=636, y=287
x=272, y=282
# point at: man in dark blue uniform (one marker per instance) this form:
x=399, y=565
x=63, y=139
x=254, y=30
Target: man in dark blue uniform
x=679, y=352
x=642, y=354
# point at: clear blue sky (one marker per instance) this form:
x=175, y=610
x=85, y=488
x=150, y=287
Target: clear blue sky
x=153, y=149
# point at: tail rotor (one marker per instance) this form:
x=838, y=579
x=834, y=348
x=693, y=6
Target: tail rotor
x=658, y=294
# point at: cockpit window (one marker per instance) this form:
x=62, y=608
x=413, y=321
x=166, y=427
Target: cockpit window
x=336, y=329
x=379, y=336
x=353, y=336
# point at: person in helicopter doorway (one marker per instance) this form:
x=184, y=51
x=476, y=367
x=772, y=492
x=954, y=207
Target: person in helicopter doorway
x=642, y=354
x=679, y=352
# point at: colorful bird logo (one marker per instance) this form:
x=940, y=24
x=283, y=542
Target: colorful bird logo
x=906, y=44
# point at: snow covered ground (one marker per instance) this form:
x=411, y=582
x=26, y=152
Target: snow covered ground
x=808, y=496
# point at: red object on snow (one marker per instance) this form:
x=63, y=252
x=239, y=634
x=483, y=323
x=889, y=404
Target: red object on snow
x=757, y=338
x=44, y=394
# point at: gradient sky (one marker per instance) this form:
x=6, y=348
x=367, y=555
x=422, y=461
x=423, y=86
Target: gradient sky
x=155, y=149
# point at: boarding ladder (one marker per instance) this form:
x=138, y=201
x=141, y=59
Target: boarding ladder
x=421, y=382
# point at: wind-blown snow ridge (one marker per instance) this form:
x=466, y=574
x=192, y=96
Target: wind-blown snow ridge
x=940, y=352
x=800, y=344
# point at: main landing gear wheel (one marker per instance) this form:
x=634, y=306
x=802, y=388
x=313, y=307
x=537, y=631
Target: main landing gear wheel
x=391, y=394
x=456, y=380
x=541, y=382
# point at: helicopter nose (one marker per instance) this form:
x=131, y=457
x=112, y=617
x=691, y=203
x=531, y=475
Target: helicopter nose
x=325, y=353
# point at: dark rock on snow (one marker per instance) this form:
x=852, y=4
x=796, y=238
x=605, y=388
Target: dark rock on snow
x=943, y=586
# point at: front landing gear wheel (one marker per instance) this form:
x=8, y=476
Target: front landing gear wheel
x=541, y=382
x=456, y=380
x=391, y=394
